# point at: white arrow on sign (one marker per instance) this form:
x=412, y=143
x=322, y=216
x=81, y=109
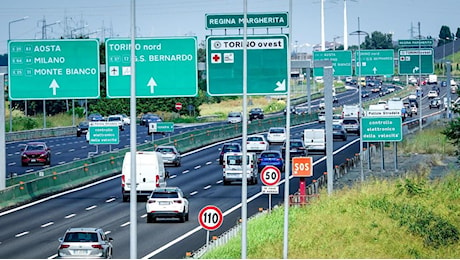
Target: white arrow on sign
x=54, y=86
x=415, y=69
x=281, y=86
x=152, y=84
x=375, y=70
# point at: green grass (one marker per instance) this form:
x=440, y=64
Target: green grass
x=409, y=217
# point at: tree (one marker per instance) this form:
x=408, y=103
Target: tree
x=444, y=35
x=457, y=34
x=378, y=40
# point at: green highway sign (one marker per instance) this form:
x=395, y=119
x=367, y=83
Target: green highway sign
x=381, y=129
x=341, y=62
x=267, y=65
x=165, y=67
x=53, y=69
x=375, y=62
x=104, y=133
x=416, y=61
x=416, y=43
x=161, y=127
x=254, y=20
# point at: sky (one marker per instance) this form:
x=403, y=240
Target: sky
x=51, y=19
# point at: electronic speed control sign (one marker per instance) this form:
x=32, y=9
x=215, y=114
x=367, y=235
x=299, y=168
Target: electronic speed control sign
x=270, y=175
x=210, y=218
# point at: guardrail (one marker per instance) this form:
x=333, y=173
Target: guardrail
x=39, y=133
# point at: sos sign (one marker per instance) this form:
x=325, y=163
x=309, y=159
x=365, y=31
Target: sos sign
x=270, y=175
x=302, y=167
x=210, y=218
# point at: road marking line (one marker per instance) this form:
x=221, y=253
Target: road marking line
x=193, y=193
x=144, y=216
x=197, y=167
x=47, y=224
x=110, y=200
x=91, y=207
x=186, y=171
x=207, y=187
x=71, y=150
x=125, y=224
x=58, y=153
x=70, y=216
x=219, y=181
x=172, y=177
x=22, y=234
x=208, y=163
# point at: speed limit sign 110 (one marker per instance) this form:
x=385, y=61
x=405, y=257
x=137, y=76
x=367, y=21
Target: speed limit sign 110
x=270, y=175
x=210, y=218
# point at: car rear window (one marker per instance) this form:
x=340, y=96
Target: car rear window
x=231, y=148
x=277, y=130
x=165, y=150
x=296, y=144
x=350, y=122
x=269, y=155
x=254, y=138
x=81, y=237
x=165, y=195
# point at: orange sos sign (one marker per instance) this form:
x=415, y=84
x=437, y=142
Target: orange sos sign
x=302, y=166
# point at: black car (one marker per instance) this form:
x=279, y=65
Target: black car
x=256, y=113
x=95, y=117
x=297, y=148
x=228, y=147
x=82, y=128
x=339, y=132
x=435, y=102
x=149, y=117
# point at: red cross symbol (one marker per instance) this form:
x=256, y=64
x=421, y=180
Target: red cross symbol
x=216, y=58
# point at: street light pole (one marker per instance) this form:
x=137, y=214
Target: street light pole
x=358, y=65
x=11, y=102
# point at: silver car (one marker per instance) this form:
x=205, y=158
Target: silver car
x=85, y=243
x=170, y=154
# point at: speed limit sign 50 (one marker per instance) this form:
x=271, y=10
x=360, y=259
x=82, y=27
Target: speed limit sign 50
x=210, y=218
x=270, y=175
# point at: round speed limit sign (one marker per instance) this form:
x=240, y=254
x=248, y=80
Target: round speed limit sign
x=210, y=218
x=270, y=175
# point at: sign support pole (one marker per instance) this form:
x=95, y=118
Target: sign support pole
x=269, y=203
x=2, y=136
x=302, y=190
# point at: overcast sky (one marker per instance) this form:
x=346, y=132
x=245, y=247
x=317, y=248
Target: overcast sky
x=167, y=18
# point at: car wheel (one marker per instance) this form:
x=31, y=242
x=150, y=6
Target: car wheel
x=182, y=217
x=125, y=198
x=186, y=217
x=78, y=134
x=150, y=219
x=177, y=164
x=24, y=164
x=344, y=139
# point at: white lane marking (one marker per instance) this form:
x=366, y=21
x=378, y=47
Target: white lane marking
x=62, y=162
x=30, y=170
x=107, y=232
x=84, y=146
x=71, y=150
x=207, y=187
x=197, y=167
x=173, y=176
x=125, y=224
x=186, y=171
x=219, y=181
x=70, y=216
x=76, y=158
x=57, y=153
x=144, y=216
x=47, y=224
x=22, y=234
x=208, y=163
x=110, y=200
x=11, y=164
x=91, y=207
x=193, y=193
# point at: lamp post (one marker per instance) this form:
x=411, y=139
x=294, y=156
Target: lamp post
x=76, y=29
x=9, y=38
x=358, y=64
x=335, y=38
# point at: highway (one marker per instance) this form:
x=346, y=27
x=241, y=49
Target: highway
x=32, y=231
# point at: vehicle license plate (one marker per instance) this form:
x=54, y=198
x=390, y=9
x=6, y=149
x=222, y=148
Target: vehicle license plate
x=33, y=160
x=80, y=252
x=164, y=203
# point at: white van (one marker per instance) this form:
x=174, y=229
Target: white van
x=315, y=139
x=232, y=167
x=150, y=173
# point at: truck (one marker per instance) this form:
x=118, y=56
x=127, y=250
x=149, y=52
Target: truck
x=150, y=174
x=314, y=140
x=351, y=111
x=232, y=167
x=432, y=79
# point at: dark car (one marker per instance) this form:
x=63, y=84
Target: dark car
x=228, y=147
x=256, y=113
x=270, y=157
x=35, y=153
x=150, y=118
x=297, y=148
x=82, y=128
x=365, y=93
x=339, y=132
x=95, y=117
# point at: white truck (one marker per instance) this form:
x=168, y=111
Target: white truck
x=432, y=79
x=150, y=173
x=232, y=167
x=351, y=111
x=314, y=140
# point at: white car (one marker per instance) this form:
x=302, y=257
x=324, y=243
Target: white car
x=126, y=119
x=276, y=135
x=234, y=117
x=118, y=119
x=337, y=119
x=256, y=143
x=432, y=94
x=167, y=202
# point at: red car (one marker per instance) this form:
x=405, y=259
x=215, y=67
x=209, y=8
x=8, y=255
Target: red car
x=35, y=153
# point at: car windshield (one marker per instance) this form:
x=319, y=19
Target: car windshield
x=165, y=195
x=269, y=155
x=349, y=122
x=236, y=160
x=231, y=148
x=296, y=144
x=165, y=150
x=277, y=130
x=81, y=237
x=35, y=147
